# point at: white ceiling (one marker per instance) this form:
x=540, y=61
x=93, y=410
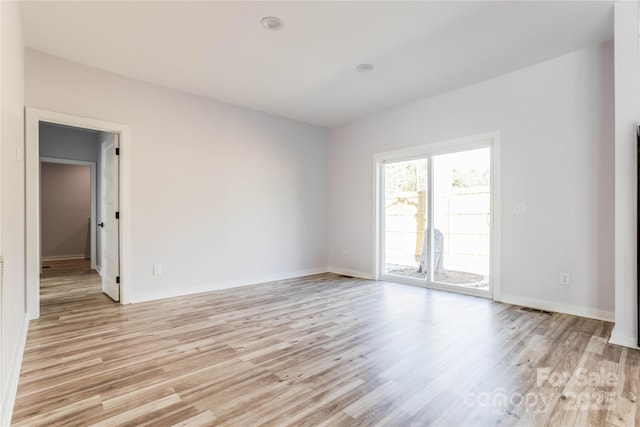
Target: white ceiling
x=306, y=70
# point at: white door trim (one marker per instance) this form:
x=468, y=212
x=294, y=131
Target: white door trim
x=92, y=165
x=32, y=157
x=490, y=139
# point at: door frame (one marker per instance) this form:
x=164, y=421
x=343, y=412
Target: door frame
x=33, y=117
x=92, y=166
x=490, y=139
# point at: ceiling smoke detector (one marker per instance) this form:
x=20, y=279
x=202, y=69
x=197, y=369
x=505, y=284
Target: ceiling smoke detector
x=365, y=68
x=271, y=23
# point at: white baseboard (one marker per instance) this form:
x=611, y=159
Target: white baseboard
x=352, y=273
x=64, y=257
x=575, y=310
x=99, y=270
x=9, y=394
x=623, y=339
x=209, y=287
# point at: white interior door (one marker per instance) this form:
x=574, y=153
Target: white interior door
x=109, y=213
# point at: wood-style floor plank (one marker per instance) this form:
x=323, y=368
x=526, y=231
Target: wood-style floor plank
x=319, y=350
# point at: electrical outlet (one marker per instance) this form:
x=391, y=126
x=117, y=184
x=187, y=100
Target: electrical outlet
x=565, y=279
x=299, y=254
x=157, y=269
x=345, y=253
x=519, y=208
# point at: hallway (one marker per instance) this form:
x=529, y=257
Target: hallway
x=68, y=284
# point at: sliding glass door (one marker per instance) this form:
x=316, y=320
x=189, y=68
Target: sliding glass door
x=435, y=215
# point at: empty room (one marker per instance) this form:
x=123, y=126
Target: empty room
x=319, y=213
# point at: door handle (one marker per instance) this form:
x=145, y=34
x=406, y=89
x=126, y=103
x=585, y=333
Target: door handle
x=101, y=224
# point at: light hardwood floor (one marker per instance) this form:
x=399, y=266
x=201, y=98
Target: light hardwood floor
x=321, y=350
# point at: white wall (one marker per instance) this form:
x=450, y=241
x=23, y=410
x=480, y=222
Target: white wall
x=627, y=85
x=65, y=204
x=221, y=195
x=11, y=201
x=555, y=120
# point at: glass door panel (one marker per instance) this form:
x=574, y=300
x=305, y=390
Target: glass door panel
x=461, y=218
x=405, y=219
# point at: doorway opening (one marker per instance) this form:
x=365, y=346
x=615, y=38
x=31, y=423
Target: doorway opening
x=435, y=210
x=75, y=214
x=68, y=212
x=68, y=233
